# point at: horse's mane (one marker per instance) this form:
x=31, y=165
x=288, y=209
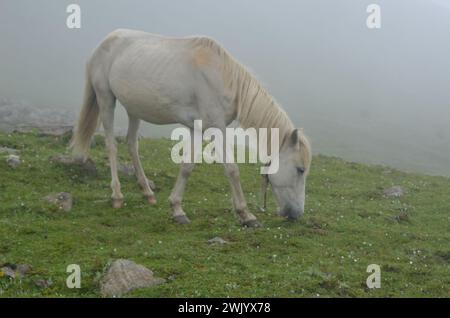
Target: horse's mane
x=255, y=106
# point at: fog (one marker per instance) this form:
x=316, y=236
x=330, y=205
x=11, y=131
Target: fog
x=368, y=95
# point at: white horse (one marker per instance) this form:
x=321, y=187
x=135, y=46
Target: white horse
x=178, y=80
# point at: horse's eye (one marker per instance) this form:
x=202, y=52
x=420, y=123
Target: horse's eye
x=300, y=170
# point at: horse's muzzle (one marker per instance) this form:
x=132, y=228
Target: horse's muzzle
x=291, y=212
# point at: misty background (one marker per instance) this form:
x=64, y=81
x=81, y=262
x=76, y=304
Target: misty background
x=368, y=95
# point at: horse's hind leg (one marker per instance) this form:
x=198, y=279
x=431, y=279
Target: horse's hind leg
x=106, y=102
x=132, y=139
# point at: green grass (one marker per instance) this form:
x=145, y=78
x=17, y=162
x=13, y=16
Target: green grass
x=348, y=225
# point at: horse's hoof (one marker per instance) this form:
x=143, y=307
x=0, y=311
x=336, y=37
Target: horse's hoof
x=181, y=219
x=252, y=224
x=151, y=199
x=117, y=203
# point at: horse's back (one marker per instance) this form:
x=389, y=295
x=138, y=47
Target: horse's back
x=158, y=78
x=123, y=38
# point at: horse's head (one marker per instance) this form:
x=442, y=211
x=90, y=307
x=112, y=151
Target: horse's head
x=288, y=183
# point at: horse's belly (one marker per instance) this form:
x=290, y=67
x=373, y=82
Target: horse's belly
x=157, y=108
x=155, y=113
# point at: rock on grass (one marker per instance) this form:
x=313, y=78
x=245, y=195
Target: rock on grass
x=43, y=283
x=394, y=192
x=23, y=269
x=14, y=271
x=8, y=272
x=402, y=217
x=13, y=161
x=62, y=200
x=124, y=276
x=217, y=240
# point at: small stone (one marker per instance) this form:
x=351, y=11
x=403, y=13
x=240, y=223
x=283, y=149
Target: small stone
x=394, y=192
x=13, y=270
x=402, y=217
x=62, y=200
x=8, y=151
x=124, y=276
x=13, y=161
x=23, y=269
x=8, y=272
x=217, y=240
x=43, y=283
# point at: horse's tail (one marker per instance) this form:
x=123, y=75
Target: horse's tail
x=87, y=122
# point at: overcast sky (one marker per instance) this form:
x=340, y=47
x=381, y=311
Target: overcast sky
x=371, y=95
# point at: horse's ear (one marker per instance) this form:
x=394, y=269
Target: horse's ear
x=293, y=140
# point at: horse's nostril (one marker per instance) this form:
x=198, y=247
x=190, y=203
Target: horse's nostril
x=294, y=215
x=290, y=212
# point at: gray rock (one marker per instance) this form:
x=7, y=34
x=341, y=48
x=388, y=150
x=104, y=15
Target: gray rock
x=394, y=192
x=62, y=200
x=217, y=240
x=14, y=271
x=87, y=165
x=13, y=161
x=124, y=276
x=23, y=269
x=43, y=283
x=402, y=217
x=8, y=272
x=8, y=151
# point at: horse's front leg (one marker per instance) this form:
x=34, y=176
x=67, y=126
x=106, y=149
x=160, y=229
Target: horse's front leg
x=240, y=205
x=176, y=196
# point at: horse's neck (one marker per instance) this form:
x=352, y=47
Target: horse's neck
x=282, y=123
x=262, y=111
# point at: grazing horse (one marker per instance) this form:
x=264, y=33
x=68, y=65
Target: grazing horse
x=165, y=80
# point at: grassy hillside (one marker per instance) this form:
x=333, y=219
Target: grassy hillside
x=348, y=225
